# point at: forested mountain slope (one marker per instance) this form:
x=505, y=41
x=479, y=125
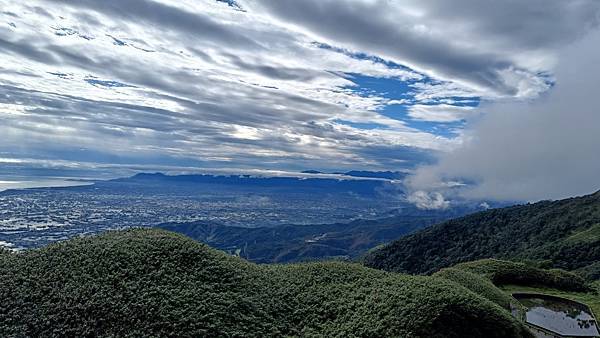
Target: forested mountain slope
x=294, y=243
x=562, y=234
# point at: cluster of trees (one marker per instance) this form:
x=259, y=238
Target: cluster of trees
x=561, y=234
x=140, y=283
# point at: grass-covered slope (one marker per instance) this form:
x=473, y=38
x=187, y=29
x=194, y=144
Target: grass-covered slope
x=496, y=280
x=142, y=283
x=561, y=234
x=485, y=276
x=476, y=283
x=502, y=272
x=590, y=298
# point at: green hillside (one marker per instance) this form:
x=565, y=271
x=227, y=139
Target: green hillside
x=295, y=243
x=496, y=280
x=561, y=234
x=142, y=283
x=476, y=283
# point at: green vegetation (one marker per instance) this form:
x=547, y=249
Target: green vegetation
x=141, y=283
x=497, y=280
x=561, y=234
x=297, y=243
x=590, y=235
x=591, y=298
x=504, y=272
x=590, y=272
x=476, y=283
x=341, y=299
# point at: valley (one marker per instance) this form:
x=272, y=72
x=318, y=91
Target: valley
x=266, y=219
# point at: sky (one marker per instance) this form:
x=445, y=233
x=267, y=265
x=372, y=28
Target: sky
x=486, y=99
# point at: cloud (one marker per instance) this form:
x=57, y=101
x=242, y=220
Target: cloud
x=156, y=15
x=440, y=112
x=428, y=200
x=200, y=82
x=534, y=149
x=496, y=48
x=269, y=84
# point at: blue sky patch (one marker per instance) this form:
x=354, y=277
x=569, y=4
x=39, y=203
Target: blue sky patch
x=359, y=125
x=399, y=90
x=117, y=42
x=362, y=56
x=105, y=83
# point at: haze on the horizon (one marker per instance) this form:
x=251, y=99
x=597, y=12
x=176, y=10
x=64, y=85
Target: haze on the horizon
x=496, y=94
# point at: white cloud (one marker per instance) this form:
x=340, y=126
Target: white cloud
x=463, y=42
x=200, y=82
x=535, y=149
x=428, y=200
x=398, y=102
x=440, y=112
x=194, y=80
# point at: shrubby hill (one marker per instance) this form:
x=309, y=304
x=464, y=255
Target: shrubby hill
x=478, y=284
x=502, y=272
x=496, y=279
x=140, y=283
x=561, y=234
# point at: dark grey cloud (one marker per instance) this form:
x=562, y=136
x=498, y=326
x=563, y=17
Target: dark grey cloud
x=521, y=24
x=162, y=16
x=279, y=72
x=27, y=50
x=468, y=40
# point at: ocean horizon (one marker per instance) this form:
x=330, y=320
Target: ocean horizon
x=10, y=183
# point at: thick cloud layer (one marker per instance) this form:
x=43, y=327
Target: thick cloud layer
x=547, y=148
x=327, y=84
x=494, y=46
x=198, y=83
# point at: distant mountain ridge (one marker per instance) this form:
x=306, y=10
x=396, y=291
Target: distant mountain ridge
x=293, y=243
x=390, y=175
x=325, y=203
x=362, y=187
x=562, y=234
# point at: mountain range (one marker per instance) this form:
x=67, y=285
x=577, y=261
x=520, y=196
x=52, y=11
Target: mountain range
x=560, y=234
x=293, y=243
x=453, y=279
